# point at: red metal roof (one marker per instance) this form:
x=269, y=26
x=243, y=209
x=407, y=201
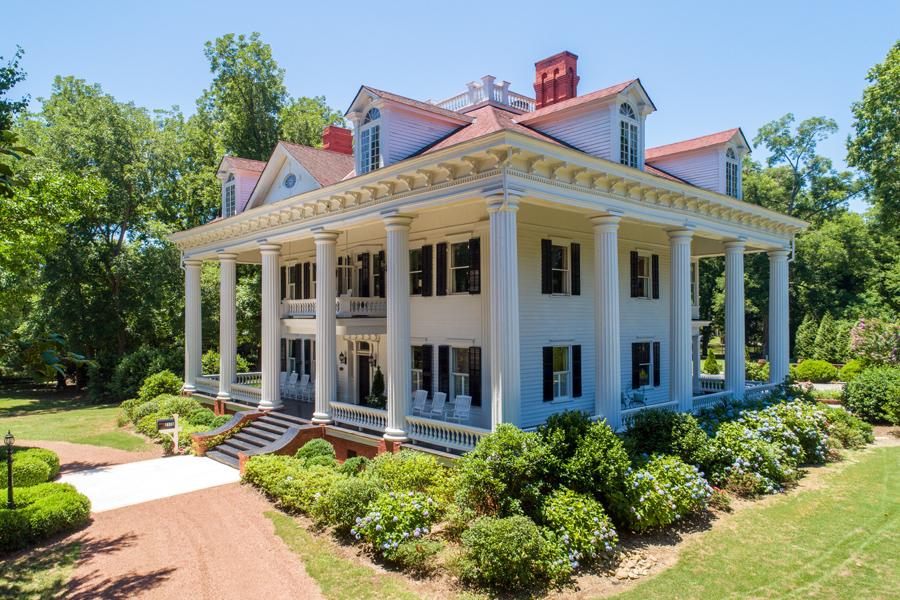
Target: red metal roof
x=697, y=143
x=325, y=166
x=487, y=119
x=576, y=101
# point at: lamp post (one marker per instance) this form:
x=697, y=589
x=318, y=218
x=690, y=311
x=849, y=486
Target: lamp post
x=9, y=440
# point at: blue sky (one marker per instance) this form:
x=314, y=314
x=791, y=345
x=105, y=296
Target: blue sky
x=707, y=66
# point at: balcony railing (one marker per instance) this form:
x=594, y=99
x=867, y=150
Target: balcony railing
x=488, y=89
x=345, y=307
x=452, y=436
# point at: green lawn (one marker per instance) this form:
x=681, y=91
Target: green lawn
x=838, y=539
x=47, y=415
x=39, y=574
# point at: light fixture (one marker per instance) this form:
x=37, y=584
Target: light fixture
x=343, y=358
x=9, y=440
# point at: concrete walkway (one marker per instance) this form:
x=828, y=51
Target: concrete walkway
x=116, y=486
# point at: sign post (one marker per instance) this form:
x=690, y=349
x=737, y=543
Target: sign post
x=169, y=427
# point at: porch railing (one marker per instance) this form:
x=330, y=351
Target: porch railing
x=357, y=415
x=441, y=433
x=208, y=384
x=757, y=390
x=345, y=306
x=246, y=393
x=250, y=378
x=712, y=384
x=710, y=400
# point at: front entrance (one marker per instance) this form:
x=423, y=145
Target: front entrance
x=363, y=370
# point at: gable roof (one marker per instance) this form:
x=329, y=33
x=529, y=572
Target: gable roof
x=426, y=106
x=486, y=120
x=577, y=101
x=697, y=143
x=246, y=164
x=326, y=166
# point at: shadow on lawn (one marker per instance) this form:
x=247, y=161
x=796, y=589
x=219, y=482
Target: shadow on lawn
x=43, y=400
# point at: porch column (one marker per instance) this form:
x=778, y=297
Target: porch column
x=271, y=327
x=606, y=319
x=504, y=291
x=326, y=324
x=680, y=374
x=695, y=341
x=193, y=336
x=735, y=376
x=399, y=359
x=227, y=327
x=779, y=356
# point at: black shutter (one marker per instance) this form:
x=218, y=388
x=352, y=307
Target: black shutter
x=307, y=282
x=379, y=268
x=295, y=276
x=295, y=353
x=444, y=369
x=441, y=268
x=363, y=287
x=654, y=275
x=635, y=366
x=475, y=375
x=283, y=354
x=546, y=267
x=283, y=283
x=475, y=269
x=548, y=373
x=576, y=269
x=313, y=295
x=427, y=269
x=307, y=357
x=576, y=371
x=635, y=292
x=428, y=368
x=656, y=364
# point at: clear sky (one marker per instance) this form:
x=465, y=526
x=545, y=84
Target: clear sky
x=708, y=66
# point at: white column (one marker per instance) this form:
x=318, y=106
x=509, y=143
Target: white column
x=695, y=340
x=779, y=357
x=399, y=349
x=193, y=336
x=227, y=327
x=504, y=292
x=680, y=374
x=608, y=375
x=271, y=327
x=326, y=324
x=735, y=376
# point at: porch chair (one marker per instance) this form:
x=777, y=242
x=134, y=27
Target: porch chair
x=303, y=389
x=419, y=399
x=437, y=406
x=461, y=409
x=289, y=389
x=282, y=378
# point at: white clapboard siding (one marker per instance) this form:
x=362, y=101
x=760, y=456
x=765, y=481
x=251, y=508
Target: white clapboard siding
x=701, y=168
x=588, y=131
x=406, y=133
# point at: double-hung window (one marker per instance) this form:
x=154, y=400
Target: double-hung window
x=459, y=374
x=416, y=272
x=731, y=174
x=562, y=373
x=629, y=138
x=418, y=368
x=460, y=261
x=559, y=264
x=644, y=276
x=229, y=202
x=644, y=364
x=370, y=142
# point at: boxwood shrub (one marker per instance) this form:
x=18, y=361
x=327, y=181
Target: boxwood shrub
x=817, y=371
x=31, y=466
x=656, y=431
x=346, y=502
x=599, y=464
x=41, y=511
x=407, y=471
x=850, y=370
x=164, y=382
x=846, y=429
x=874, y=395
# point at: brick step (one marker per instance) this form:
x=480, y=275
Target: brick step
x=257, y=438
x=223, y=458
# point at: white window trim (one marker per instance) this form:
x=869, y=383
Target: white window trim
x=733, y=163
x=229, y=189
x=649, y=387
x=567, y=398
x=451, y=268
x=365, y=133
x=566, y=245
x=420, y=271
x=454, y=374
x=633, y=136
x=649, y=256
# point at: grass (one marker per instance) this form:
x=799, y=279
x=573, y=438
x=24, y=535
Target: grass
x=40, y=414
x=338, y=578
x=40, y=574
x=839, y=538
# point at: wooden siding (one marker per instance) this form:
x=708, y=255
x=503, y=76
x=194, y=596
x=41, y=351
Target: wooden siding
x=405, y=133
x=702, y=168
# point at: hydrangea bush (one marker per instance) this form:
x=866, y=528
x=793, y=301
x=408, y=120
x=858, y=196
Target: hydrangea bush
x=580, y=525
x=663, y=491
x=395, y=518
x=746, y=462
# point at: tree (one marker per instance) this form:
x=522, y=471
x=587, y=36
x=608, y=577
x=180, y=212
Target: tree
x=10, y=75
x=827, y=343
x=805, y=341
x=876, y=147
x=303, y=120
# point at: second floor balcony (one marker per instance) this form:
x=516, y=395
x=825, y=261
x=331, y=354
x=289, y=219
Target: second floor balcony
x=345, y=307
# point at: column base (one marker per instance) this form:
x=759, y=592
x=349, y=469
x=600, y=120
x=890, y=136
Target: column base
x=320, y=418
x=223, y=396
x=269, y=406
x=395, y=435
x=188, y=390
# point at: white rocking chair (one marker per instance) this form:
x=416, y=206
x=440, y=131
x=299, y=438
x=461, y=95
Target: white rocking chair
x=437, y=405
x=461, y=409
x=419, y=399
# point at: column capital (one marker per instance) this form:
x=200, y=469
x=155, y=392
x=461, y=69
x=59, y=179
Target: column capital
x=396, y=221
x=226, y=257
x=735, y=245
x=498, y=202
x=325, y=236
x=680, y=234
x=778, y=254
x=267, y=248
x=193, y=262
x=606, y=223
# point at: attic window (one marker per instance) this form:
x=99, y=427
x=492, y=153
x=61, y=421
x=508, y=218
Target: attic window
x=732, y=173
x=228, y=199
x=628, y=136
x=289, y=180
x=370, y=142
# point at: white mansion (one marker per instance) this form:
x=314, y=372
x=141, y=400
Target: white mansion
x=499, y=258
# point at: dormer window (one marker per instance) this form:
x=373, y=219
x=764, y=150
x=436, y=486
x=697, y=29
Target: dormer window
x=731, y=174
x=370, y=142
x=228, y=206
x=629, y=141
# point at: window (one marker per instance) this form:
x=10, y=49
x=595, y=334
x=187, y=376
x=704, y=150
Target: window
x=561, y=372
x=731, y=173
x=229, y=207
x=644, y=276
x=370, y=142
x=628, y=136
x=459, y=374
x=644, y=365
x=345, y=275
x=416, y=272
x=460, y=261
x=418, y=368
x=559, y=265
x=289, y=180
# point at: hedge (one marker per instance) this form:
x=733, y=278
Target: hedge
x=41, y=511
x=31, y=466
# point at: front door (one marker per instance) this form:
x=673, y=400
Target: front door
x=362, y=376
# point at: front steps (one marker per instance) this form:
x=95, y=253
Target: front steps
x=256, y=437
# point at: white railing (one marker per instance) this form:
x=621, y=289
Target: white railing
x=712, y=384
x=208, y=384
x=488, y=89
x=250, y=378
x=345, y=306
x=710, y=400
x=359, y=416
x=246, y=393
x=521, y=102
x=756, y=390
x=456, y=102
x=441, y=433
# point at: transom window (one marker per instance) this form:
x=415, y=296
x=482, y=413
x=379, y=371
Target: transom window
x=644, y=276
x=559, y=264
x=460, y=261
x=229, y=207
x=731, y=173
x=416, y=272
x=459, y=374
x=628, y=136
x=370, y=142
x=644, y=363
x=562, y=373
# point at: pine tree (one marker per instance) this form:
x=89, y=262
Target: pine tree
x=710, y=364
x=805, y=340
x=827, y=341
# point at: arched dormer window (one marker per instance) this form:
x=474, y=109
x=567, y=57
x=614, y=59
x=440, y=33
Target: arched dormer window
x=732, y=174
x=228, y=205
x=370, y=142
x=629, y=138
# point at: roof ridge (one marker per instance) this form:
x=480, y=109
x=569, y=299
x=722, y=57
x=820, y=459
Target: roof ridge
x=694, y=143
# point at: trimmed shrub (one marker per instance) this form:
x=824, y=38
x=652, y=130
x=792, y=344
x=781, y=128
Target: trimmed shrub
x=394, y=518
x=345, y=502
x=354, y=466
x=317, y=448
x=663, y=491
x=805, y=339
x=847, y=430
x=406, y=471
x=874, y=395
x=41, y=511
x=183, y=406
x=580, y=524
x=211, y=363
x=817, y=371
x=656, y=431
x=144, y=409
x=599, y=464
x=288, y=481
x=49, y=457
x=504, y=474
x=745, y=463
x=710, y=364
x=27, y=471
x=757, y=370
x=164, y=382
x=269, y=471
x=512, y=554
x=205, y=418
x=562, y=433
x=850, y=370
x=418, y=556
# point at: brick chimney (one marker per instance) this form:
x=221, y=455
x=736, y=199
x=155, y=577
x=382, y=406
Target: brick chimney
x=555, y=79
x=337, y=139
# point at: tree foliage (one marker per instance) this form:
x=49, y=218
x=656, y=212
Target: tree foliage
x=10, y=74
